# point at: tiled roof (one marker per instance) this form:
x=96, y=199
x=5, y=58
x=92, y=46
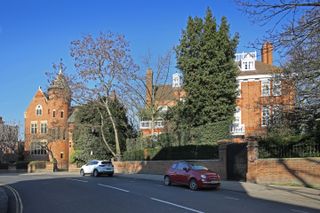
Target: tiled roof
x=261, y=68
x=165, y=92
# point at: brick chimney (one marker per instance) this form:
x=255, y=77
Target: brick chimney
x=149, y=86
x=266, y=53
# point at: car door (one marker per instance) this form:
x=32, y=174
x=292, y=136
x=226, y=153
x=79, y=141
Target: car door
x=92, y=166
x=182, y=174
x=86, y=168
x=172, y=172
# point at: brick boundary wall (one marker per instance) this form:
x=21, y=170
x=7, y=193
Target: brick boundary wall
x=301, y=171
x=160, y=167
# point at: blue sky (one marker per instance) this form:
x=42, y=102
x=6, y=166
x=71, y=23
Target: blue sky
x=36, y=33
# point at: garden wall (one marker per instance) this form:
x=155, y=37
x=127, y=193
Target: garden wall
x=302, y=171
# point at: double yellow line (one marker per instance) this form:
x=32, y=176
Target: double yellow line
x=19, y=205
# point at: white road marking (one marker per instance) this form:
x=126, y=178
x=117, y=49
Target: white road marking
x=19, y=205
x=176, y=205
x=298, y=211
x=112, y=187
x=84, y=181
x=231, y=198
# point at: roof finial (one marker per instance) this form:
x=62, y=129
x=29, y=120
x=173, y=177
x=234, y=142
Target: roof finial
x=60, y=66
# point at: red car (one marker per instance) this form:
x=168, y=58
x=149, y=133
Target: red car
x=192, y=175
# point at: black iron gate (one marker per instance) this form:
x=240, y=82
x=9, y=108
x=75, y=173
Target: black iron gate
x=237, y=161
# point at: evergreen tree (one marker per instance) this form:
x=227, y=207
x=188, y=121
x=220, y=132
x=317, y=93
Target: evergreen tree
x=205, y=56
x=87, y=135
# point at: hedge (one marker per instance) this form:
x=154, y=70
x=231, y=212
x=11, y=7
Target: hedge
x=188, y=152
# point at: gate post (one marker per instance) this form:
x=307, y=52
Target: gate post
x=253, y=152
x=223, y=158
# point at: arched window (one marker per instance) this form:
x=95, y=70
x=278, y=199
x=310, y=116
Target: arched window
x=39, y=110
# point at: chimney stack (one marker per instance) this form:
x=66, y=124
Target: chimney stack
x=149, y=86
x=266, y=53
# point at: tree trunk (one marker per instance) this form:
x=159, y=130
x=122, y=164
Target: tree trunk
x=103, y=136
x=115, y=129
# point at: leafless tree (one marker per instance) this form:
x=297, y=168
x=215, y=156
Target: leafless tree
x=148, y=92
x=294, y=29
x=8, y=138
x=290, y=22
x=103, y=65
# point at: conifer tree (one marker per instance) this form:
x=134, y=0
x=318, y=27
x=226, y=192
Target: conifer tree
x=205, y=56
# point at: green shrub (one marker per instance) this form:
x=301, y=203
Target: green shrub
x=133, y=155
x=188, y=152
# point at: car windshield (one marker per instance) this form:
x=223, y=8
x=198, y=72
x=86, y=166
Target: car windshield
x=198, y=167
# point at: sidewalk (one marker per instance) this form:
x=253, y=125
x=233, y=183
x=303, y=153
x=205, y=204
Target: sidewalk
x=300, y=196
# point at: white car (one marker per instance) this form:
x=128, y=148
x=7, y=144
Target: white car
x=97, y=167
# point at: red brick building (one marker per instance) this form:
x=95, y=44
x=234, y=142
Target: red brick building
x=161, y=97
x=46, y=123
x=262, y=91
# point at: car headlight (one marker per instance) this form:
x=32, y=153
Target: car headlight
x=203, y=176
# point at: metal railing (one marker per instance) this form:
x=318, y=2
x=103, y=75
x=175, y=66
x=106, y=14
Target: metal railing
x=289, y=150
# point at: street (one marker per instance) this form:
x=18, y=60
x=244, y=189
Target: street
x=72, y=193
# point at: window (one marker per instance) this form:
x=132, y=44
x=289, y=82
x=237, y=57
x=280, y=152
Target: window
x=265, y=88
x=276, y=86
x=61, y=114
x=181, y=166
x=43, y=127
x=237, y=116
x=64, y=135
x=39, y=110
x=61, y=155
x=174, y=166
x=238, y=89
x=265, y=116
x=38, y=148
x=33, y=128
x=158, y=124
x=276, y=114
x=54, y=113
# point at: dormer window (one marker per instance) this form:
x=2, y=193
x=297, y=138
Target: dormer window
x=39, y=110
x=246, y=60
x=177, y=80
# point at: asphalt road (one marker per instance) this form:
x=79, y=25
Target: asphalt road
x=118, y=194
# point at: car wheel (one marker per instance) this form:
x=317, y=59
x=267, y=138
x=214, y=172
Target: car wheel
x=217, y=187
x=82, y=172
x=95, y=173
x=193, y=184
x=167, y=180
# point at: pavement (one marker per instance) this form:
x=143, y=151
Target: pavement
x=286, y=194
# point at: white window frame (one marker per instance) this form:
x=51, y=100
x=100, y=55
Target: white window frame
x=43, y=127
x=33, y=127
x=239, y=89
x=265, y=88
x=36, y=148
x=276, y=86
x=265, y=116
x=38, y=110
x=237, y=116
